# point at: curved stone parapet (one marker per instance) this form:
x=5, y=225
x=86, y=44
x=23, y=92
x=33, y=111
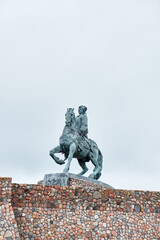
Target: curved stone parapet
x=83, y=210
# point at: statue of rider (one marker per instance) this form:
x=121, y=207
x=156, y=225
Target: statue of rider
x=82, y=121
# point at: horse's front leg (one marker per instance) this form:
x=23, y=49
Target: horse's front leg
x=72, y=150
x=52, y=154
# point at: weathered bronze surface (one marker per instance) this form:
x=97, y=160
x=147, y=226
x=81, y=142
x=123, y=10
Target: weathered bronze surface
x=74, y=143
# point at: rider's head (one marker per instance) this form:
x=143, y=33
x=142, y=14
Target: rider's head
x=82, y=109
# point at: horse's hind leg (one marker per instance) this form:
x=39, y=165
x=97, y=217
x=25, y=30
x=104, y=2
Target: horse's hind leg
x=94, y=160
x=83, y=166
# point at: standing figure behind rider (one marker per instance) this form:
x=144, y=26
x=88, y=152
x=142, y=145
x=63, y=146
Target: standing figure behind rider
x=82, y=121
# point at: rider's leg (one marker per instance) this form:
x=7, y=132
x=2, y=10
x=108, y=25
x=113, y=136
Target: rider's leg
x=83, y=166
x=72, y=150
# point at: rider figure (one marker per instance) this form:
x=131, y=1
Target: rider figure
x=82, y=121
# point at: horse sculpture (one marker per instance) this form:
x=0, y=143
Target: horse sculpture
x=74, y=145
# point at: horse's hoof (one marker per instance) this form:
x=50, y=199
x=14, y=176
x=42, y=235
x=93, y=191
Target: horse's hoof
x=92, y=175
x=61, y=162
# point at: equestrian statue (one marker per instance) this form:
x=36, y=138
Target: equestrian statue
x=74, y=143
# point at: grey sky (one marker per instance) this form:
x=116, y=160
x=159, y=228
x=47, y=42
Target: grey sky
x=59, y=54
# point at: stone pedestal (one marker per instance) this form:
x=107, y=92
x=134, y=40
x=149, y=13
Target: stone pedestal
x=60, y=179
x=70, y=179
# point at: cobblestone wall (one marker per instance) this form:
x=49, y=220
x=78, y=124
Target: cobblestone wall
x=8, y=224
x=85, y=211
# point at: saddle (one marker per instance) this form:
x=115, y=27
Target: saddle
x=84, y=143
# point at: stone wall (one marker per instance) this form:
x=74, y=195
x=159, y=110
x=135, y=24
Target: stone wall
x=8, y=224
x=83, y=211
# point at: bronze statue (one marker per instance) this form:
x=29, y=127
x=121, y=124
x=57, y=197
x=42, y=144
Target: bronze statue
x=74, y=143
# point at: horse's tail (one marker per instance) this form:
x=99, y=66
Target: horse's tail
x=100, y=161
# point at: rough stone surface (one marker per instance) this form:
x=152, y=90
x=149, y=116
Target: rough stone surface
x=89, y=180
x=8, y=224
x=8, y=234
x=82, y=210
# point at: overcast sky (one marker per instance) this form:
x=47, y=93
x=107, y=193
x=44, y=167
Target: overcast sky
x=102, y=54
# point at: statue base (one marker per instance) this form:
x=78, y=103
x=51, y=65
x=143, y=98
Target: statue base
x=56, y=179
x=70, y=179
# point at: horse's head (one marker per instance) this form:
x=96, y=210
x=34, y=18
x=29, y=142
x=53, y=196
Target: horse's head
x=70, y=116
